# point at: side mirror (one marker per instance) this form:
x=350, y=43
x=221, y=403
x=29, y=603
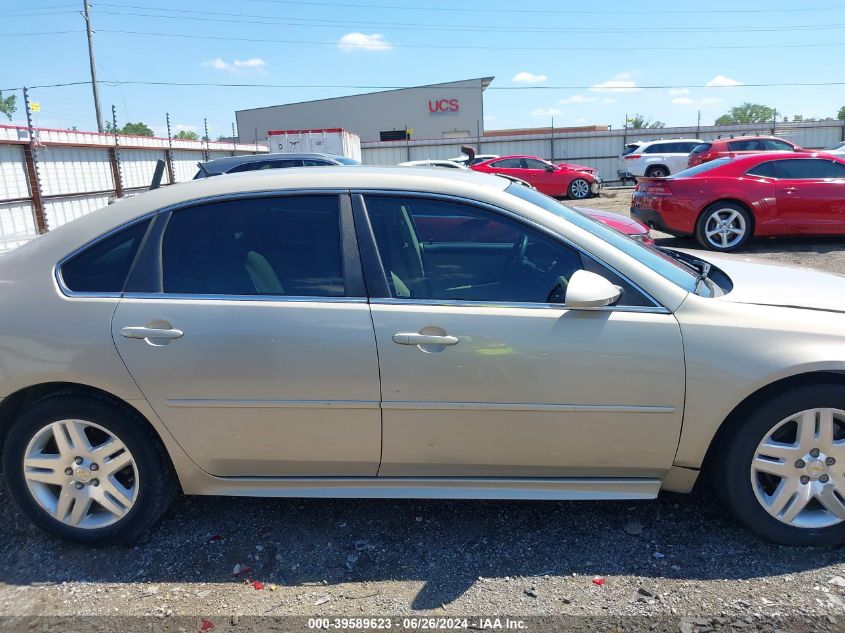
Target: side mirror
x=550, y=167
x=589, y=290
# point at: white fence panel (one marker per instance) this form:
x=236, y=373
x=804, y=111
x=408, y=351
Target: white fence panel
x=60, y=211
x=17, y=224
x=139, y=165
x=185, y=164
x=13, y=181
x=70, y=170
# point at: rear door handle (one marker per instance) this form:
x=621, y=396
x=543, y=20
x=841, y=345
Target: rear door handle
x=136, y=331
x=414, y=338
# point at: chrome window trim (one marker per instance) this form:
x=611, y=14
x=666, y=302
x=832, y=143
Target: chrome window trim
x=523, y=220
x=447, y=303
x=164, y=296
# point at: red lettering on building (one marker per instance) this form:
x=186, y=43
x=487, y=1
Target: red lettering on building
x=443, y=105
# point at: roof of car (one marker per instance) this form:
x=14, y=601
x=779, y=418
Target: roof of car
x=756, y=137
x=672, y=140
x=222, y=165
x=456, y=182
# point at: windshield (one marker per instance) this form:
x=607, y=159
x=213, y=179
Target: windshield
x=692, y=171
x=343, y=160
x=652, y=257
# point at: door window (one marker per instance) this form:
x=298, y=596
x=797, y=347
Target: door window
x=657, y=148
x=443, y=250
x=286, y=246
x=809, y=169
x=507, y=163
x=103, y=266
x=533, y=163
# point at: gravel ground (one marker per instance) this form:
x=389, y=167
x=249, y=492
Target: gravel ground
x=679, y=556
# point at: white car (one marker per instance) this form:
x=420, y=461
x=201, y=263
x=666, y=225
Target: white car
x=478, y=158
x=658, y=159
x=837, y=150
x=448, y=164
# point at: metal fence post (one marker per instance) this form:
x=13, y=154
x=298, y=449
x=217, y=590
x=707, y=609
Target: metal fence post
x=31, y=157
x=114, y=157
x=205, y=123
x=168, y=155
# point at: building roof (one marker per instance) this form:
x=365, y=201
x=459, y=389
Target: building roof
x=485, y=82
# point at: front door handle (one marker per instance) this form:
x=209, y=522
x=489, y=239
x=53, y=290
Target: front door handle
x=136, y=331
x=414, y=338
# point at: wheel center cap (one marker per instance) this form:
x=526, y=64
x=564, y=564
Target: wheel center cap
x=815, y=467
x=82, y=474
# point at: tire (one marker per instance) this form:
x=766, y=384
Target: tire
x=657, y=172
x=579, y=189
x=714, y=235
x=745, y=491
x=138, y=460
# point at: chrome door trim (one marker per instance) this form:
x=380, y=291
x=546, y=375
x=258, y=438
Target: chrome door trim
x=163, y=296
x=519, y=406
x=513, y=216
x=274, y=404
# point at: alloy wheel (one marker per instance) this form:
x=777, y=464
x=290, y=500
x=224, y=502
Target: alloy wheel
x=579, y=188
x=81, y=474
x=725, y=228
x=798, y=469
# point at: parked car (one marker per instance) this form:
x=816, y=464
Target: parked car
x=546, y=177
x=657, y=159
x=448, y=164
x=629, y=226
x=576, y=167
x=391, y=332
x=738, y=146
x=838, y=149
x=463, y=159
x=726, y=201
x=254, y=162
x=622, y=172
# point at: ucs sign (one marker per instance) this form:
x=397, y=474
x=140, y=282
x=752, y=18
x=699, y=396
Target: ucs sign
x=443, y=105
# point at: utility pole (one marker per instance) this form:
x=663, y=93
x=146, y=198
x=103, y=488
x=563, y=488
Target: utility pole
x=94, y=84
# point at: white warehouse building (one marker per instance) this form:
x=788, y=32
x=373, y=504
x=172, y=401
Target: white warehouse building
x=438, y=111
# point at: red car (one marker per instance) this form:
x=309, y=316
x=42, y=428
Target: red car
x=726, y=201
x=730, y=147
x=547, y=178
x=622, y=223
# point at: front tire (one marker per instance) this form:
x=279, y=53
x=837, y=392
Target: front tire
x=782, y=473
x=87, y=469
x=579, y=189
x=723, y=227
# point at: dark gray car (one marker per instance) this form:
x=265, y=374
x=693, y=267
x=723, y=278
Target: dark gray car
x=253, y=162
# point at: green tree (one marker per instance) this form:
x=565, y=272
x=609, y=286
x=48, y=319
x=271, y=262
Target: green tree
x=8, y=105
x=187, y=135
x=138, y=129
x=841, y=115
x=638, y=122
x=747, y=113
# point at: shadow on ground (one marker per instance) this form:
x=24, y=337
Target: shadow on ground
x=445, y=544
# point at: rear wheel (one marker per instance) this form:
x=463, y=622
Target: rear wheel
x=723, y=226
x=657, y=172
x=579, y=189
x=783, y=472
x=87, y=469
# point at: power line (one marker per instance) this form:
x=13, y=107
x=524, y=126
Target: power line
x=262, y=19
x=480, y=47
x=427, y=8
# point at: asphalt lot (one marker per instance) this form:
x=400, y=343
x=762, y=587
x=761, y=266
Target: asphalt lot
x=677, y=556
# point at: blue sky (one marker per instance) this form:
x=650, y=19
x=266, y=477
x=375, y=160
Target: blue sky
x=605, y=47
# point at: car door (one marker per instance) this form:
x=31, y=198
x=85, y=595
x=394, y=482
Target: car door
x=552, y=183
x=251, y=337
x=811, y=194
x=506, y=166
x=483, y=374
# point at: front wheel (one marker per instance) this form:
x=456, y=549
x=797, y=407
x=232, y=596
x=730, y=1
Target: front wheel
x=87, y=470
x=783, y=472
x=579, y=189
x=723, y=226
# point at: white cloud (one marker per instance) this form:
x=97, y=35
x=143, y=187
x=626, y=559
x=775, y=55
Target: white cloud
x=711, y=100
x=608, y=100
x=529, y=78
x=683, y=101
x=546, y=112
x=236, y=65
x=700, y=102
x=623, y=82
x=721, y=81
x=363, y=42
x=578, y=99
x=679, y=91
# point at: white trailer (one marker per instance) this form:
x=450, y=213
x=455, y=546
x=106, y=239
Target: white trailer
x=323, y=141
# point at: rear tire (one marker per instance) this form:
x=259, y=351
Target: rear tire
x=723, y=227
x=657, y=172
x=87, y=469
x=751, y=492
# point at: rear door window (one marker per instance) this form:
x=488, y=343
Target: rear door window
x=508, y=163
x=657, y=148
x=809, y=169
